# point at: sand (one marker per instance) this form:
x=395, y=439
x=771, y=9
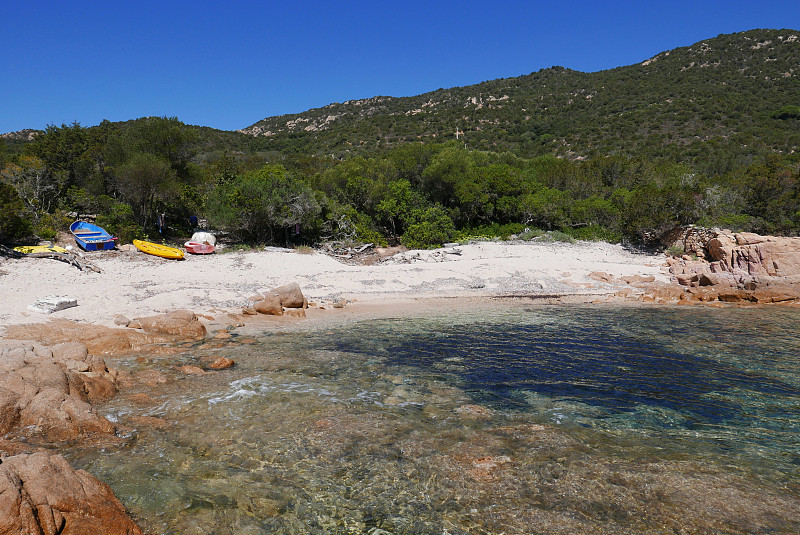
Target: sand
x=134, y=284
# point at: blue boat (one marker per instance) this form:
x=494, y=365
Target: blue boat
x=91, y=237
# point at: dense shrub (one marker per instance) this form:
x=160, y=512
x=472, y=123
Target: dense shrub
x=431, y=227
x=13, y=222
x=262, y=206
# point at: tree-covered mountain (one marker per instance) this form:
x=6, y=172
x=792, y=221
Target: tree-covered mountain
x=728, y=91
x=717, y=100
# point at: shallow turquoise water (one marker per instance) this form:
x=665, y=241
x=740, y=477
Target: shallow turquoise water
x=723, y=381
x=504, y=419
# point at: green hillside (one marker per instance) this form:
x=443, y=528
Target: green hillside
x=726, y=91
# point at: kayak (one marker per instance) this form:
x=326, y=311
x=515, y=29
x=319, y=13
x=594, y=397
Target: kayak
x=30, y=249
x=198, y=248
x=158, y=250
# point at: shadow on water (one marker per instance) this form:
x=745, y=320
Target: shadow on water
x=730, y=372
x=595, y=366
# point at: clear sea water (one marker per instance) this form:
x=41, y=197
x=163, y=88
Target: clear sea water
x=493, y=419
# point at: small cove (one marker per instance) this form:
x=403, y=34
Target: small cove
x=507, y=418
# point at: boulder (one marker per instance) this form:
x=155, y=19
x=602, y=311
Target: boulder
x=601, y=276
x=295, y=312
x=9, y=410
x=271, y=304
x=41, y=494
x=290, y=296
x=52, y=303
x=188, y=369
x=59, y=416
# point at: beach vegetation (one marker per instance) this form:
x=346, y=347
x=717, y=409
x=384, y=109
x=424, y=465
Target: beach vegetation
x=495, y=230
x=262, y=206
x=429, y=228
x=13, y=221
x=49, y=224
x=676, y=250
x=530, y=234
x=558, y=236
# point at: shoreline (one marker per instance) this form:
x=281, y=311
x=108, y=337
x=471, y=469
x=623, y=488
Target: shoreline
x=133, y=284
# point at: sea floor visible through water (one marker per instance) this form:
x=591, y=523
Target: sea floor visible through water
x=510, y=418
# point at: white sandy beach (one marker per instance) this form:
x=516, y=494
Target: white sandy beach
x=135, y=284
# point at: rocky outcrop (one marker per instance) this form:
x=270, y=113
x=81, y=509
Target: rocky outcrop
x=41, y=494
x=738, y=267
x=181, y=324
x=101, y=340
x=45, y=391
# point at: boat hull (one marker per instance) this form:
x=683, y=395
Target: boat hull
x=91, y=237
x=198, y=248
x=156, y=249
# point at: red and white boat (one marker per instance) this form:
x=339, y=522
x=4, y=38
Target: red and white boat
x=195, y=247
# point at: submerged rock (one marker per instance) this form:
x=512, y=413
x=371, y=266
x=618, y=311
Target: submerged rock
x=221, y=363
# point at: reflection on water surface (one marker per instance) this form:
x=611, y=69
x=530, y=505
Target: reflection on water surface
x=497, y=420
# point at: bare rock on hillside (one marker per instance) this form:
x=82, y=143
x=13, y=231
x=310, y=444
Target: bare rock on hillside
x=40, y=493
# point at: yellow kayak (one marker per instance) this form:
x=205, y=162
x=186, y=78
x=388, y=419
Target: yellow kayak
x=30, y=249
x=158, y=250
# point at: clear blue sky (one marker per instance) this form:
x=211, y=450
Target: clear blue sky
x=230, y=64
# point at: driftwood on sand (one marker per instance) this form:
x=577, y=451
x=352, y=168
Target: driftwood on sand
x=9, y=253
x=69, y=258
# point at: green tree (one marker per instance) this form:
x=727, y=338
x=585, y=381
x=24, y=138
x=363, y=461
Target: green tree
x=772, y=194
x=142, y=181
x=35, y=185
x=449, y=168
x=63, y=151
x=224, y=169
x=13, y=223
x=165, y=137
x=358, y=182
x=399, y=205
x=260, y=206
x=547, y=208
